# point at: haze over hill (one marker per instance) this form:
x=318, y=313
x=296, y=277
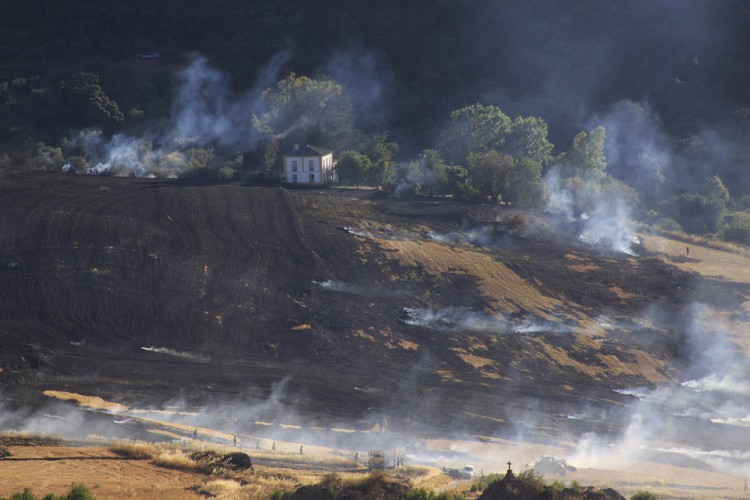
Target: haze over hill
x=343, y=308
x=537, y=254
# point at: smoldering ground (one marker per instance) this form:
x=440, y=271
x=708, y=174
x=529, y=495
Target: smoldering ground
x=704, y=417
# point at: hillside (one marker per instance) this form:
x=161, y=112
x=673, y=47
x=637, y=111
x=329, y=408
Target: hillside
x=334, y=306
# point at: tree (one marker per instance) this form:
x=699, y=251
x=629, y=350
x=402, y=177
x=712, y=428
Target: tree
x=306, y=111
x=696, y=213
x=381, y=155
x=586, y=154
x=474, y=129
x=526, y=183
x=715, y=190
x=353, y=167
x=490, y=173
x=528, y=139
x=86, y=104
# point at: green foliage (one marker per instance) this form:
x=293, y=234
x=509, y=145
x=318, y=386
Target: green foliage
x=26, y=494
x=525, y=187
x=86, y=104
x=277, y=495
x=738, y=230
x=695, y=213
x=586, y=154
x=353, y=168
x=669, y=224
x=528, y=139
x=714, y=189
x=490, y=174
x=475, y=129
x=380, y=153
x=484, y=481
x=302, y=110
x=423, y=494
x=77, y=492
x=644, y=495
x=44, y=157
x=531, y=477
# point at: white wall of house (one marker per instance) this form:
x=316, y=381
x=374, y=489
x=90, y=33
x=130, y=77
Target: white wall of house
x=309, y=169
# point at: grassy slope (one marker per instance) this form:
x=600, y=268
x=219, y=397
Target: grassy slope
x=225, y=273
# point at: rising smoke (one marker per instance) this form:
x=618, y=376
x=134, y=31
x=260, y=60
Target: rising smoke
x=205, y=112
x=703, y=418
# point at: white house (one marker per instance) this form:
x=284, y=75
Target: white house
x=309, y=165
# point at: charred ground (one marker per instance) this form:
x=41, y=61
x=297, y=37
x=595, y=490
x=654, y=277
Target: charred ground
x=311, y=294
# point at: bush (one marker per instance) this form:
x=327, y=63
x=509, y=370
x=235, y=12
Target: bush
x=77, y=492
x=423, y=494
x=669, y=224
x=644, y=495
x=25, y=495
x=738, y=231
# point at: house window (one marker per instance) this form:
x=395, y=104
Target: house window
x=311, y=165
x=294, y=165
x=294, y=177
x=312, y=177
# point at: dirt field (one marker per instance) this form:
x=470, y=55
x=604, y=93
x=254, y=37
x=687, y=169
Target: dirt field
x=348, y=320
x=53, y=469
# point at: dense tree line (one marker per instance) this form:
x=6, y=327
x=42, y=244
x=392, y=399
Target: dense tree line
x=471, y=96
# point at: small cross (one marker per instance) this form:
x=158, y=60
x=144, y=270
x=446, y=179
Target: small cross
x=508, y=465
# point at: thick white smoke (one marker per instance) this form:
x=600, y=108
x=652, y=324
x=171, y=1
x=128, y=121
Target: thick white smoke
x=600, y=216
x=697, y=417
x=204, y=112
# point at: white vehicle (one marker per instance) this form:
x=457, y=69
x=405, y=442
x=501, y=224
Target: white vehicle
x=468, y=471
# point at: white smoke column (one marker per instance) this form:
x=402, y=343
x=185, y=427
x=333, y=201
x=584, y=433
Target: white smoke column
x=127, y=156
x=611, y=226
x=205, y=110
x=455, y=319
x=178, y=354
x=663, y=418
x=607, y=219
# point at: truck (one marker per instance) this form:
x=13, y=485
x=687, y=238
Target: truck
x=553, y=466
x=376, y=460
x=466, y=473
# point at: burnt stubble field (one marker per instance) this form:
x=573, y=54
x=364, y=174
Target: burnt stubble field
x=328, y=308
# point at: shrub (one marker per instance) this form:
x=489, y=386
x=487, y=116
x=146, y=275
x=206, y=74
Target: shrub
x=669, y=224
x=77, y=492
x=644, y=495
x=133, y=450
x=738, y=231
x=25, y=495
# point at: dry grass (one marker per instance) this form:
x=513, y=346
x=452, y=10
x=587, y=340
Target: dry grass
x=136, y=450
x=90, y=401
x=429, y=478
x=176, y=459
x=646, y=365
x=502, y=287
x=707, y=258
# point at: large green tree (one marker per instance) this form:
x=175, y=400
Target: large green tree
x=586, y=154
x=491, y=173
x=302, y=110
x=474, y=129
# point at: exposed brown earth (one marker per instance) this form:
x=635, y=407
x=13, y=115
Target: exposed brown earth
x=306, y=298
